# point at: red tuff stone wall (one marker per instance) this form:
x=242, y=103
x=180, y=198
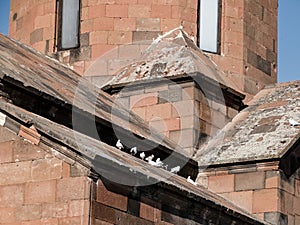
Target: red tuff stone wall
x=38, y=188
x=178, y=111
x=261, y=189
x=248, y=47
x=249, y=43
x=112, y=208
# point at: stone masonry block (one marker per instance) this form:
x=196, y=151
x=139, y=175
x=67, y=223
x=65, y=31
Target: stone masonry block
x=143, y=100
x=28, y=212
x=12, y=195
x=125, y=24
x=162, y=111
x=26, y=151
x=6, y=215
x=36, y=36
x=286, y=184
x=55, y=210
x=249, y=181
x=276, y=218
x=272, y=179
x=139, y=11
x=265, y=200
x=117, y=10
x=40, y=192
x=161, y=11
x=46, y=169
x=6, y=152
x=296, y=206
x=221, y=183
x=72, y=188
x=98, y=37
x=185, y=108
x=243, y=199
x=103, y=24
x=110, y=198
x=78, y=208
x=149, y=213
x=119, y=37
x=96, y=11
x=287, y=205
x=144, y=35
x=15, y=173
x=147, y=24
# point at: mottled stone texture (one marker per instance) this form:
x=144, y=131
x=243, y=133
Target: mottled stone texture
x=261, y=189
x=180, y=111
x=38, y=188
x=248, y=38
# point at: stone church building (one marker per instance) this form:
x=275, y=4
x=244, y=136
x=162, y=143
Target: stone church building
x=146, y=112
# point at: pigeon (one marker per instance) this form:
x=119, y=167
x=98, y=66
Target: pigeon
x=159, y=163
x=149, y=158
x=175, y=169
x=191, y=181
x=142, y=155
x=152, y=163
x=133, y=150
x=119, y=145
x=294, y=122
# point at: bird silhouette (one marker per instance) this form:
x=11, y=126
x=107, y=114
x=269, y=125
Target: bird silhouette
x=119, y=145
x=175, y=169
x=142, y=155
x=191, y=181
x=133, y=150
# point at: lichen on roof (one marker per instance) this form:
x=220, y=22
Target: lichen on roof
x=171, y=55
x=260, y=132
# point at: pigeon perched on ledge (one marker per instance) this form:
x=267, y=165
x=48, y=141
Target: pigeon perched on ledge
x=191, y=181
x=133, y=150
x=119, y=145
x=175, y=169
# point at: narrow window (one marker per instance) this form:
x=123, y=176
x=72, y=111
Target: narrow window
x=208, y=25
x=69, y=15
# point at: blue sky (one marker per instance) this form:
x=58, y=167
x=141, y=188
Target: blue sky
x=289, y=37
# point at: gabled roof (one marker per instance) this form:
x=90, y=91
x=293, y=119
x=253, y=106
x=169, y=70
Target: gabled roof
x=173, y=55
x=104, y=161
x=27, y=73
x=44, y=86
x=260, y=132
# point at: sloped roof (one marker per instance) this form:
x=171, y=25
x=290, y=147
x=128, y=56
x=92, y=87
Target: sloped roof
x=260, y=132
x=32, y=71
x=103, y=160
x=173, y=55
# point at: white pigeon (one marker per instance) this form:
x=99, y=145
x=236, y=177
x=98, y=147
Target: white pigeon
x=175, y=169
x=119, y=145
x=191, y=181
x=294, y=122
x=149, y=158
x=159, y=163
x=152, y=163
x=133, y=150
x=142, y=155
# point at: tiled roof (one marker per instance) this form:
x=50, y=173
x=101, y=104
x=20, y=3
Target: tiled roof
x=260, y=132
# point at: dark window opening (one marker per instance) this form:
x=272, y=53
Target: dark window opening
x=68, y=24
x=209, y=20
